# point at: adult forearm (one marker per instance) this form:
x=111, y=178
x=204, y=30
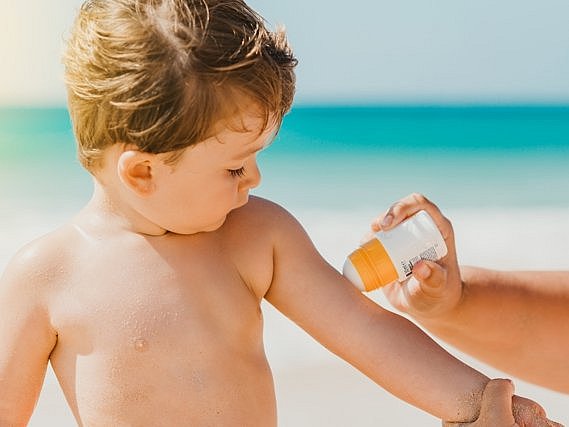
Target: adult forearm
x=516, y=321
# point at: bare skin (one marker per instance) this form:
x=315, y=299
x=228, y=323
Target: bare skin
x=147, y=304
x=500, y=317
x=132, y=343
x=496, y=408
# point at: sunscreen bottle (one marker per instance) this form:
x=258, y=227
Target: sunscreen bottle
x=391, y=255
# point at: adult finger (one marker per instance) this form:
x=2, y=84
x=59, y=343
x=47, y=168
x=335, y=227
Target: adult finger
x=497, y=402
x=409, y=206
x=531, y=413
x=403, y=209
x=431, y=276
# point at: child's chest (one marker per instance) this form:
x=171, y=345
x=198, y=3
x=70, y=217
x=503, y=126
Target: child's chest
x=158, y=332
x=159, y=301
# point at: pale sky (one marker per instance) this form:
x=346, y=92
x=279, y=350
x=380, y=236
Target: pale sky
x=374, y=51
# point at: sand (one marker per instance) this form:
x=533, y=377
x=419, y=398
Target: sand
x=315, y=388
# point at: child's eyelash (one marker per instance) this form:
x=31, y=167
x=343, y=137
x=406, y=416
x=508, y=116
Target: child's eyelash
x=237, y=173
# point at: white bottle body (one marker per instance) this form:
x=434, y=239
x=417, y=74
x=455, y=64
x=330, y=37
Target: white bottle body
x=415, y=239
x=395, y=252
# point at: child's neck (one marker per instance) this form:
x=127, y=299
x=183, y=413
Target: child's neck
x=106, y=212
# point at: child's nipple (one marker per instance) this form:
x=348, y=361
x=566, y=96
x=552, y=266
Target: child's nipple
x=140, y=345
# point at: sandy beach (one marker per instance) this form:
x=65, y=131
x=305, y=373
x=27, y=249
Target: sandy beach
x=314, y=387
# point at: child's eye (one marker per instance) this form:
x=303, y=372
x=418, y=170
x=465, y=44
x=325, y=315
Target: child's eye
x=237, y=173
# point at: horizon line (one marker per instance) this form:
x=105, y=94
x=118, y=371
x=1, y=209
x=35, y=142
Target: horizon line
x=351, y=104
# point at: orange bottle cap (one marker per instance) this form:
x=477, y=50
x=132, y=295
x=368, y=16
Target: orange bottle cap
x=373, y=265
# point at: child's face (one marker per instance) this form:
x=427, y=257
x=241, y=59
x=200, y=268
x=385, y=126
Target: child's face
x=210, y=179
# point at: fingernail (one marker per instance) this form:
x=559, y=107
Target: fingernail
x=421, y=271
x=387, y=220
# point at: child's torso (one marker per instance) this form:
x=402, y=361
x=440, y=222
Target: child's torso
x=164, y=331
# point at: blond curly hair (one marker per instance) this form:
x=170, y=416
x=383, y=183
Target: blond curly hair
x=160, y=73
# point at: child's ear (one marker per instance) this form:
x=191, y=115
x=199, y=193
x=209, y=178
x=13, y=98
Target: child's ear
x=135, y=170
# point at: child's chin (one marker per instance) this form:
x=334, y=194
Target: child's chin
x=201, y=229
x=214, y=227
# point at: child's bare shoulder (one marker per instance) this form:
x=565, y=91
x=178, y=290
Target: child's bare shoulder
x=254, y=234
x=264, y=221
x=260, y=213
x=39, y=266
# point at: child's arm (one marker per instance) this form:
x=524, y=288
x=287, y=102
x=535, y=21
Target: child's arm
x=502, y=318
x=26, y=339
x=384, y=346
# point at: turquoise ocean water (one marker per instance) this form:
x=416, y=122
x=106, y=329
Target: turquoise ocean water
x=340, y=157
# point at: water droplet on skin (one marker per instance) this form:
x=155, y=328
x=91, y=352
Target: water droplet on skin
x=140, y=345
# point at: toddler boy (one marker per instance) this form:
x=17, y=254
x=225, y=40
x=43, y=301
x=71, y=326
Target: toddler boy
x=147, y=303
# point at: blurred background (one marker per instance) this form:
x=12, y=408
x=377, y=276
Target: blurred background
x=465, y=102
x=372, y=52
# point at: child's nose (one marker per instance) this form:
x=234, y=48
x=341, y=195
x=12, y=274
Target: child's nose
x=252, y=176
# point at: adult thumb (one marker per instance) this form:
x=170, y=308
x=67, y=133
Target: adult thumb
x=497, y=402
x=431, y=276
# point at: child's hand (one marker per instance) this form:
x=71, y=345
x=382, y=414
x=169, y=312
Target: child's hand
x=499, y=406
x=435, y=288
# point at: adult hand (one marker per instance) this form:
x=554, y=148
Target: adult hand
x=496, y=408
x=435, y=288
x=499, y=405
